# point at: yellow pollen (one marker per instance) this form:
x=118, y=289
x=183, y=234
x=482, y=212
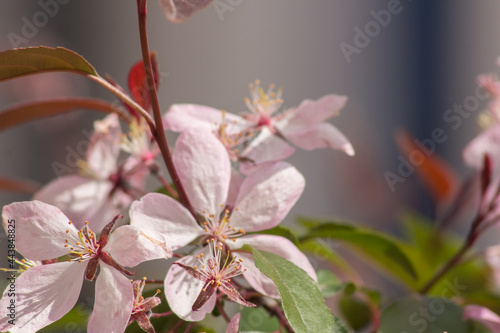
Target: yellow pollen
x=77, y=243
x=202, y=255
x=204, y=290
x=211, y=215
x=86, y=222
x=79, y=260
x=236, y=209
x=158, y=291
x=69, y=222
x=234, y=239
x=204, y=212
x=67, y=231
x=222, y=205
x=195, y=267
x=65, y=245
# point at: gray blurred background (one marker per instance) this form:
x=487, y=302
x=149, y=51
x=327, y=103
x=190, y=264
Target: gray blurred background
x=407, y=73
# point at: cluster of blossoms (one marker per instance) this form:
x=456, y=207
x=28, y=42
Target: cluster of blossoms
x=231, y=169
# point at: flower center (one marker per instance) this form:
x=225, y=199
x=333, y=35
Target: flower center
x=211, y=269
x=221, y=227
x=86, y=247
x=264, y=103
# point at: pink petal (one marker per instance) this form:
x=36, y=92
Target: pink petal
x=234, y=324
x=182, y=290
x=40, y=229
x=322, y=136
x=234, y=188
x=102, y=154
x=44, y=294
x=488, y=142
x=164, y=219
x=266, y=147
x=483, y=315
x=181, y=117
x=130, y=246
x=310, y=114
x=114, y=299
x=266, y=196
x=178, y=11
x=204, y=169
x=80, y=198
x=274, y=244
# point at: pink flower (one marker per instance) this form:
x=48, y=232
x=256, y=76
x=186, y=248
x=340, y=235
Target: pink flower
x=215, y=275
x=259, y=202
x=483, y=315
x=104, y=189
x=304, y=126
x=142, y=307
x=45, y=293
x=178, y=11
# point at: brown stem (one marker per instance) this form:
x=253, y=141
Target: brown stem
x=221, y=310
x=159, y=133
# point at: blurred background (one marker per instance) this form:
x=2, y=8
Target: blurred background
x=402, y=70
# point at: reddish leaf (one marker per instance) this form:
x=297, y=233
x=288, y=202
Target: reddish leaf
x=439, y=178
x=178, y=11
x=19, y=114
x=32, y=60
x=138, y=84
x=18, y=186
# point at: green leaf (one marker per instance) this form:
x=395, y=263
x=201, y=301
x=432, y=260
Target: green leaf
x=339, y=326
x=258, y=319
x=380, y=248
x=416, y=314
x=321, y=251
x=32, y=60
x=303, y=304
x=356, y=312
x=283, y=232
x=328, y=283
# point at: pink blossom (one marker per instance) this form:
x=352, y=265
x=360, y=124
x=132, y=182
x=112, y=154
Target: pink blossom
x=215, y=275
x=143, y=306
x=104, y=188
x=304, y=126
x=45, y=293
x=261, y=202
x=483, y=315
x=178, y=11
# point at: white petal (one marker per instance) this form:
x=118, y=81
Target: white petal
x=310, y=114
x=181, y=117
x=80, y=198
x=234, y=188
x=102, y=154
x=273, y=244
x=130, y=246
x=266, y=147
x=39, y=229
x=204, y=169
x=234, y=324
x=114, y=299
x=164, y=219
x=182, y=290
x=488, y=142
x=322, y=136
x=266, y=196
x=43, y=295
